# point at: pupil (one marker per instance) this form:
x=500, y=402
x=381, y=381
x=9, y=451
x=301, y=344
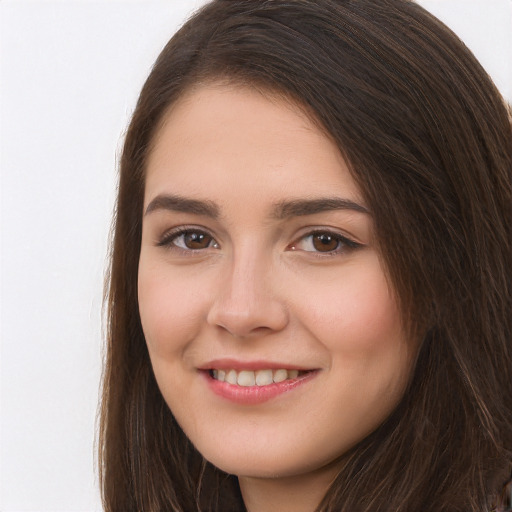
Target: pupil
x=197, y=240
x=325, y=243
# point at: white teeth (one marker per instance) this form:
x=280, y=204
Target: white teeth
x=231, y=377
x=246, y=378
x=280, y=375
x=264, y=377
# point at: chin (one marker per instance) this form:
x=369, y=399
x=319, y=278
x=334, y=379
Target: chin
x=261, y=463
x=258, y=469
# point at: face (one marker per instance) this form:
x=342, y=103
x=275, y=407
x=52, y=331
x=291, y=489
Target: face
x=273, y=333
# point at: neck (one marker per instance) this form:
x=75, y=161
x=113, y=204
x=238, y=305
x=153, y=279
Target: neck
x=302, y=493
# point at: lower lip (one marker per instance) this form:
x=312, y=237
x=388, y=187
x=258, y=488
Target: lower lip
x=252, y=395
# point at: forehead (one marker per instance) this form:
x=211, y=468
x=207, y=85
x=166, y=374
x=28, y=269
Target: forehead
x=220, y=137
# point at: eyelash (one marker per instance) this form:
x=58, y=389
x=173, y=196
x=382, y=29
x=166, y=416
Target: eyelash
x=168, y=239
x=343, y=244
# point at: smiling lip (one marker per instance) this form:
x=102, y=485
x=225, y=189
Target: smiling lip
x=236, y=364
x=253, y=394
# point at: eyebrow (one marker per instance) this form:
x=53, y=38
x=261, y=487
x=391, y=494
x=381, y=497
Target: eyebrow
x=302, y=207
x=183, y=204
x=282, y=210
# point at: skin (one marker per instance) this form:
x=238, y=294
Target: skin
x=259, y=289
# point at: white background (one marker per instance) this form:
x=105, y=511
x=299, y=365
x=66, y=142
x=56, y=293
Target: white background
x=70, y=72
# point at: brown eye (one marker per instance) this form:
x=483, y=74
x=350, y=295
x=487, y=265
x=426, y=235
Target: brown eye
x=325, y=242
x=188, y=240
x=195, y=240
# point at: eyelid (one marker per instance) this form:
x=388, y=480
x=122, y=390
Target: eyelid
x=348, y=243
x=167, y=238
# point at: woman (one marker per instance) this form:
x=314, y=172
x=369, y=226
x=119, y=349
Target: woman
x=309, y=298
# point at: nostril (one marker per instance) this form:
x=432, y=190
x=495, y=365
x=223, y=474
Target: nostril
x=258, y=318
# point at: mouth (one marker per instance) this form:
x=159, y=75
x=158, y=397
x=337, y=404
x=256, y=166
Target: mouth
x=260, y=378
x=252, y=386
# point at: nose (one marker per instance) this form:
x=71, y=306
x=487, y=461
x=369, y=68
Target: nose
x=247, y=303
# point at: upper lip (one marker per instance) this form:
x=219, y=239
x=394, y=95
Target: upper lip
x=236, y=364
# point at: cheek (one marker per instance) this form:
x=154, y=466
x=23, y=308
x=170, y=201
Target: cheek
x=355, y=313
x=170, y=317
x=357, y=321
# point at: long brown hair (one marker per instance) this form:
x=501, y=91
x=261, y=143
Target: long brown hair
x=429, y=142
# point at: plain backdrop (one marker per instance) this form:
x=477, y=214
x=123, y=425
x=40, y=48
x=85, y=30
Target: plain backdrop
x=70, y=72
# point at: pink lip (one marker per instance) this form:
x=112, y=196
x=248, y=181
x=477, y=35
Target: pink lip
x=252, y=395
x=235, y=364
